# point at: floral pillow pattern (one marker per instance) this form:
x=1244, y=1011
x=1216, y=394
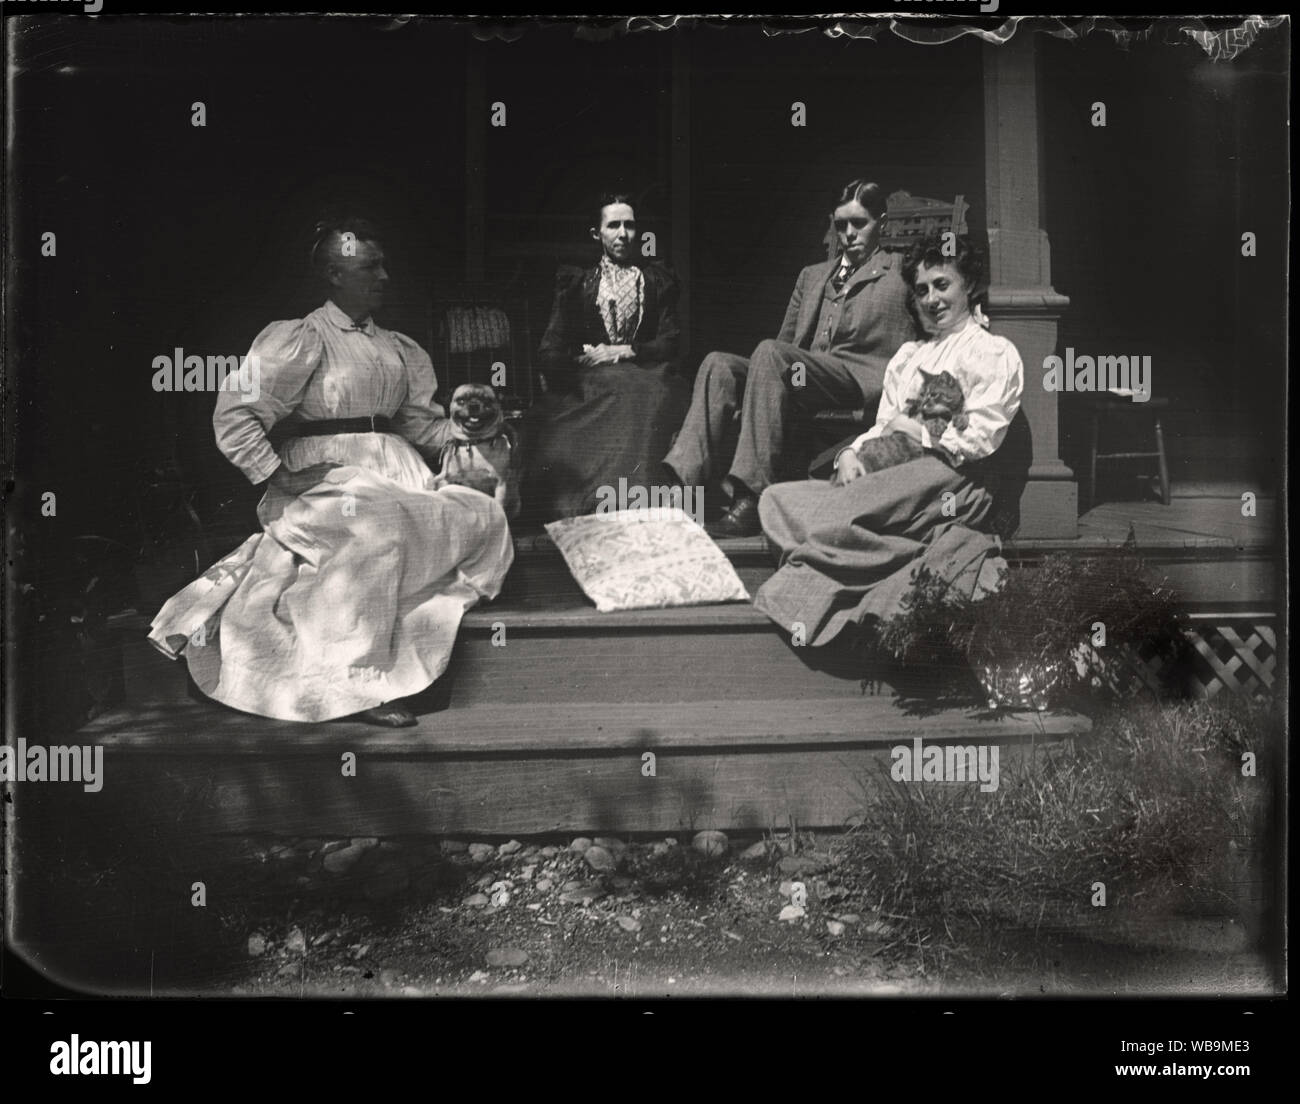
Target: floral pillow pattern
x=645, y=559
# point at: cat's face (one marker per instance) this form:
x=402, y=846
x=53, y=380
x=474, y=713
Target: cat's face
x=940, y=397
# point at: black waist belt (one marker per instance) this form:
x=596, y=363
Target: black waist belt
x=376, y=423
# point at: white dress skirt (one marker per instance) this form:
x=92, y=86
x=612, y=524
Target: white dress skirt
x=352, y=594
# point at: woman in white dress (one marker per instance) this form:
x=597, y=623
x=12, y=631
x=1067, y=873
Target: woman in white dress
x=351, y=596
x=839, y=539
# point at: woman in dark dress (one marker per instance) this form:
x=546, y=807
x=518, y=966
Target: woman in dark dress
x=612, y=364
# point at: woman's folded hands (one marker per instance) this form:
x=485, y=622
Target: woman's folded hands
x=593, y=355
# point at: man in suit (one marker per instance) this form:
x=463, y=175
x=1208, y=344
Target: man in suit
x=846, y=319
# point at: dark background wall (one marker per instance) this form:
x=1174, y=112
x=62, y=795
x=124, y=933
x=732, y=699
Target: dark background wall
x=171, y=235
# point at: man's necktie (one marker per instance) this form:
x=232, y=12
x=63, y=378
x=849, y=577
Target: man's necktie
x=842, y=277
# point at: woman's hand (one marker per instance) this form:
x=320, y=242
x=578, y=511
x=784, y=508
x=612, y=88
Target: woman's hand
x=294, y=483
x=901, y=423
x=847, y=468
x=593, y=355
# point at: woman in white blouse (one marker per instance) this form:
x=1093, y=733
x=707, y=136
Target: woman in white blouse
x=838, y=539
x=350, y=598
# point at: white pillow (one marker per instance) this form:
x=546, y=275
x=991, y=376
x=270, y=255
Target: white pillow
x=645, y=559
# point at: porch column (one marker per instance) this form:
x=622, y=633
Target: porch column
x=1023, y=305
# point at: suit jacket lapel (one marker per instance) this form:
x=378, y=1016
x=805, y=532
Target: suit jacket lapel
x=872, y=269
x=810, y=307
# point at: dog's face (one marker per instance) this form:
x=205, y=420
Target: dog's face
x=476, y=414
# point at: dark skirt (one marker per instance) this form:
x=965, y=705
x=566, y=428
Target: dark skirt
x=617, y=422
x=846, y=552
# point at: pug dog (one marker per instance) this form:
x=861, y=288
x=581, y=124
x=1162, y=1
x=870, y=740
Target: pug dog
x=483, y=452
x=937, y=405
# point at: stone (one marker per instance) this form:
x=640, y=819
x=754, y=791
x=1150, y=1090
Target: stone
x=711, y=843
x=835, y=927
x=388, y=977
x=670, y=841
x=453, y=847
x=584, y=894
x=790, y=913
x=510, y=847
x=544, y=885
x=500, y=893
x=756, y=851
x=289, y=970
x=343, y=860
x=527, y=873
x=599, y=859
x=628, y=923
x=485, y=881
x=848, y=918
x=478, y=976
x=580, y=844
x=507, y=956
x=549, y=852
x=611, y=844
x=786, y=889
x=256, y=944
x=295, y=942
x=478, y=900
x=481, y=852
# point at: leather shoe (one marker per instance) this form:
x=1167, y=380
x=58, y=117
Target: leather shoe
x=389, y=715
x=740, y=521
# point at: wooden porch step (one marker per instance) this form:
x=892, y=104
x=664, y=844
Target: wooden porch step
x=537, y=768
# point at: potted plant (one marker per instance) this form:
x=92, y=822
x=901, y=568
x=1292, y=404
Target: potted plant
x=1049, y=630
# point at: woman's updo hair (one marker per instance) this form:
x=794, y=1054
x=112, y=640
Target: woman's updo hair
x=327, y=233
x=608, y=199
x=870, y=195
x=969, y=259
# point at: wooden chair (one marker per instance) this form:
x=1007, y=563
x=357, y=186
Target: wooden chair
x=1110, y=405
x=476, y=332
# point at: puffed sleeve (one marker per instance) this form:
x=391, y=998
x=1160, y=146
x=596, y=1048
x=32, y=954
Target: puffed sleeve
x=892, y=395
x=992, y=402
x=562, y=344
x=280, y=365
x=419, y=419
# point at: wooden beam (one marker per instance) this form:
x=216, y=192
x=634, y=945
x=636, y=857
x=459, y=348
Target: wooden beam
x=680, y=176
x=1022, y=303
x=476, y=121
